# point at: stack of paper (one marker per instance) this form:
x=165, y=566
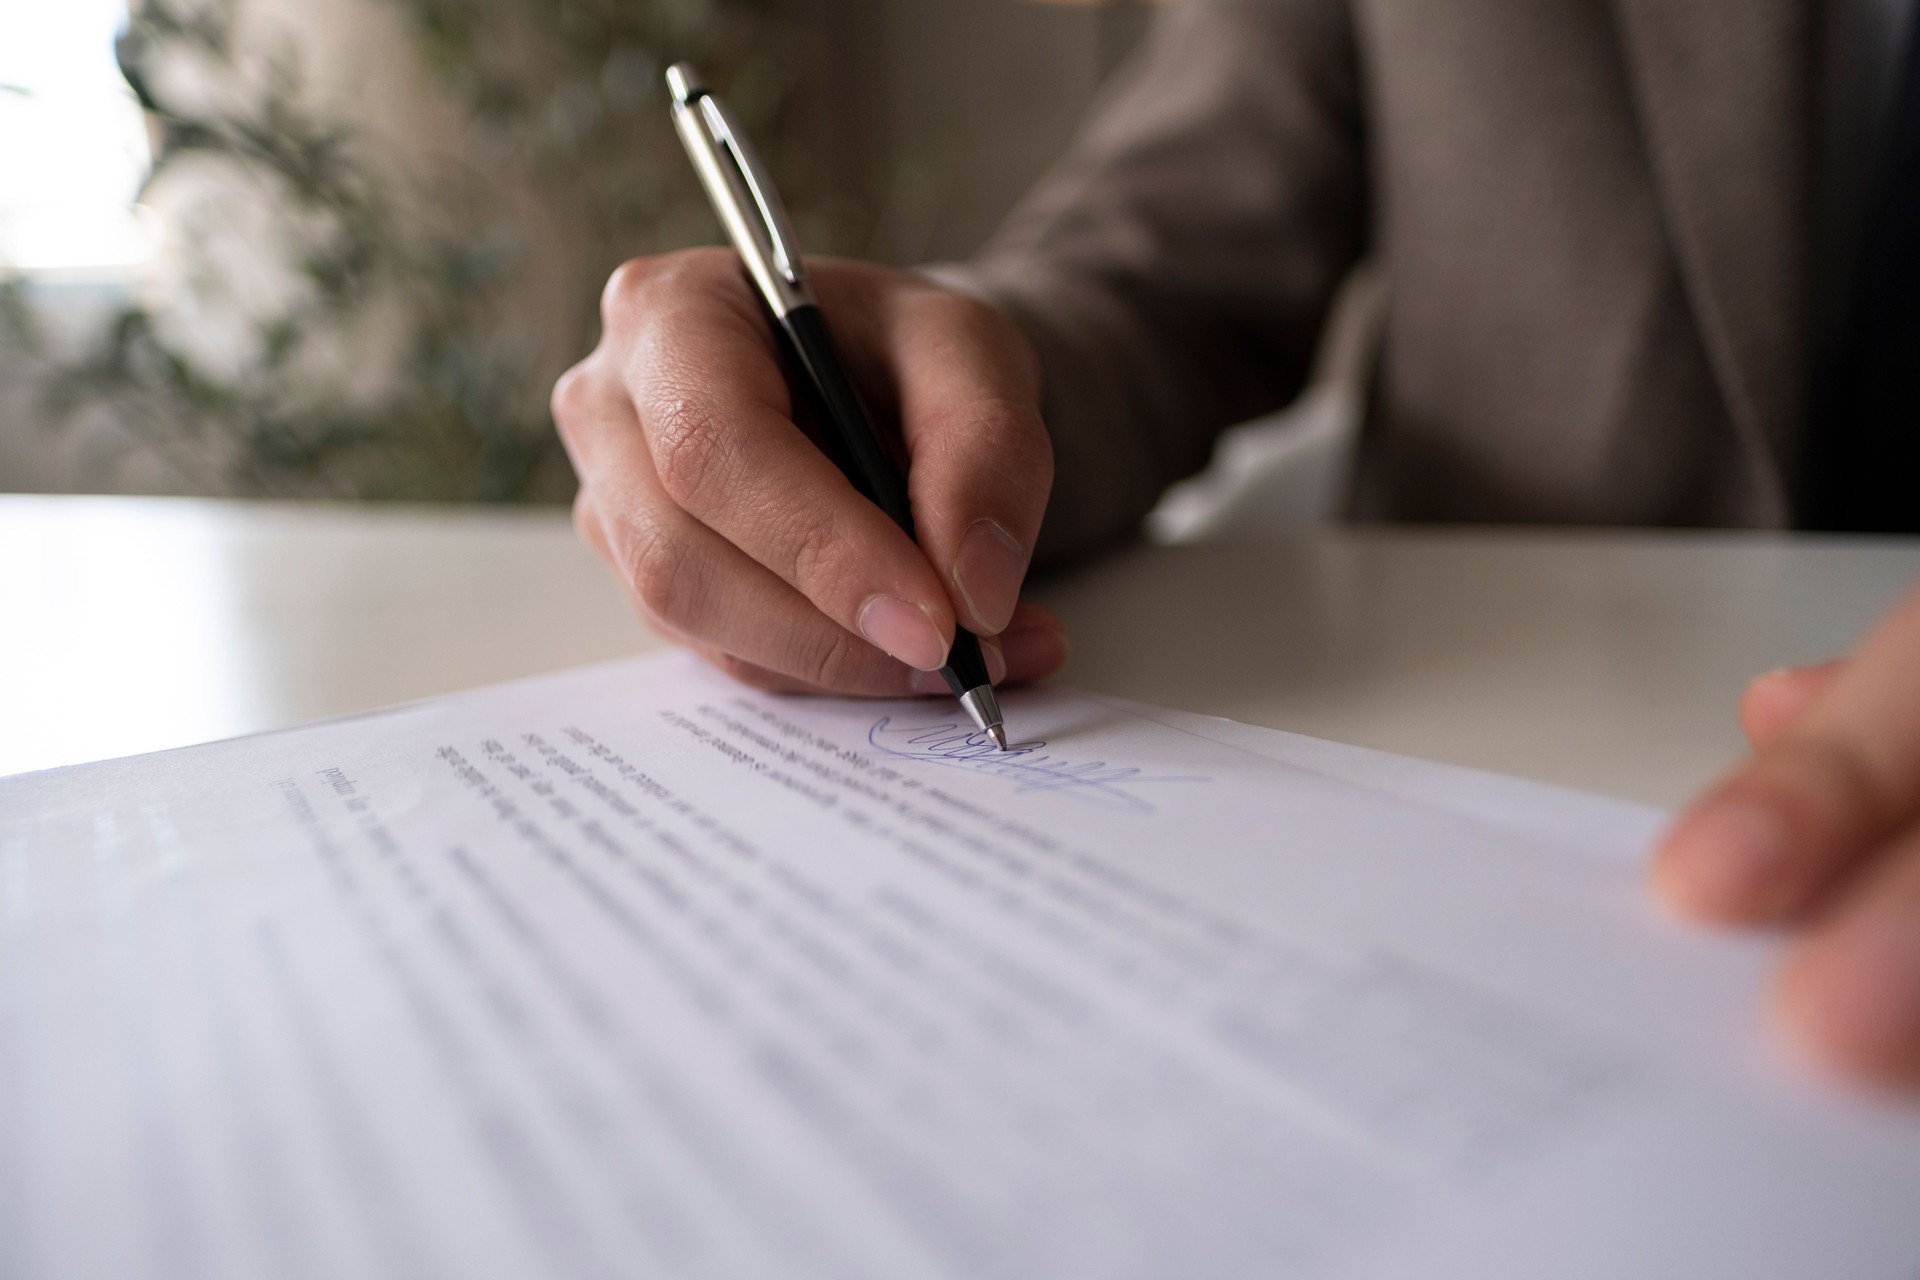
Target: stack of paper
x=630, y=972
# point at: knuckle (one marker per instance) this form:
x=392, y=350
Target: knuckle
x=1012, y=432
x=1000, y=445
x=694, y=268
x=814, y=552
x=689, y=452
x=624, y=289
x=662, y=573
x=570, y=394
x=837, y=662
x=636, y=284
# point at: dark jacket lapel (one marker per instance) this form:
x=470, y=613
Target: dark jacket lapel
x=1725, y=93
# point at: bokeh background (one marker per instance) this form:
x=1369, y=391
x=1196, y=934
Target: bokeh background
x=341, y=248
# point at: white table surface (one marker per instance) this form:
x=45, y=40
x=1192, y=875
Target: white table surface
x=1603, y=660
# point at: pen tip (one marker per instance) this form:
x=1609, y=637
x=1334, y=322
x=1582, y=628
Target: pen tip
x=984, y=709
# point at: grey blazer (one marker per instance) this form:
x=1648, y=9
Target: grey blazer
x=1593, y=217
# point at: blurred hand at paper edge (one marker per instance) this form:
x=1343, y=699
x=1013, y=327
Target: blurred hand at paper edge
x=732, y=534
x=1820, y=828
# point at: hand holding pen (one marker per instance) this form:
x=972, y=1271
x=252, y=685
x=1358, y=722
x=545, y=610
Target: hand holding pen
x=736, y=535
x=756, y=221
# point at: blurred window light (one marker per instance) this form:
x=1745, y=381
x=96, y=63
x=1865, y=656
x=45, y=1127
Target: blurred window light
x=73, y=144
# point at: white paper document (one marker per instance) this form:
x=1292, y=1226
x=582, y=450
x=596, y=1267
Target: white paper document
x=630, y=972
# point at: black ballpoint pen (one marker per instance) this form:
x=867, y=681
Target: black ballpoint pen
x=756, y=222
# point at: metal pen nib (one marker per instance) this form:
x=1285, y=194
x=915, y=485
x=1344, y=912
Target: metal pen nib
x=985, y=710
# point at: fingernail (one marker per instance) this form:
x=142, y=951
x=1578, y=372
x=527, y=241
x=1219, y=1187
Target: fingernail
x=1857, y=998
x=1733, y=859
x=987, y=572
x=904, y=631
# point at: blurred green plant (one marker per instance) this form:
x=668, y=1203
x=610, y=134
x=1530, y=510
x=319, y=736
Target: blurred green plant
x=425, y=277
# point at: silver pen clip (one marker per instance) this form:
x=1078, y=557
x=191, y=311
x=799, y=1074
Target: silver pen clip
x=741, y=190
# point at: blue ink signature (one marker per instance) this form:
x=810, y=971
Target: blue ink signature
x=964, y=747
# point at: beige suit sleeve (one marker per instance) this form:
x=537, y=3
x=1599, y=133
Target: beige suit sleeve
x=1174, y=269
